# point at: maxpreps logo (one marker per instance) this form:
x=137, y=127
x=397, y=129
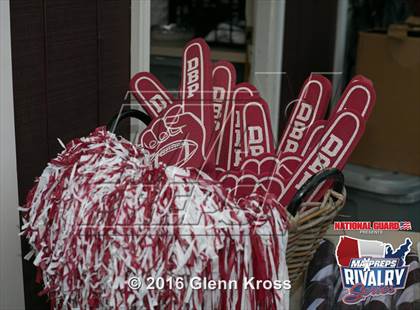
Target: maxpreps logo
x=371, y=268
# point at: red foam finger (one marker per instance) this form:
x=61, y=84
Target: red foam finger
x=150, y=93
x=175, y=138
x=258, y=136
x=359, y=96
x=261, y=164
x=248, y=127
x=232, y=127
x=311, y=106
x=239, y=184
x=224, y=77
x=312, y=137
x=287, y=165
x=269, y=164
x=228, y=180
x=246, y=185
x=270, y=184
x=153, y=135
x=340, y=138
x=196, y=86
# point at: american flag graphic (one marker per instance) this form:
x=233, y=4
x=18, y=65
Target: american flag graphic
x=406, y=225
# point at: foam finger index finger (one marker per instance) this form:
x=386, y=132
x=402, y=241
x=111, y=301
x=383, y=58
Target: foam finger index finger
x=224, y=77
x=150, y=93
x=359, y=97
x=196, y=85
x=311, y=106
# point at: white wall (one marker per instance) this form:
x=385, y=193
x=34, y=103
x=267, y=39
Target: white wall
x=340, y=45
x=268, y=54
x=140, y=47
x=140, y=35
x=11, y=278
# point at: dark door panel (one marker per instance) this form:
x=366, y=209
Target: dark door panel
x=29, y=86
x=308, y=46
x=71, y=70
x=114, y=64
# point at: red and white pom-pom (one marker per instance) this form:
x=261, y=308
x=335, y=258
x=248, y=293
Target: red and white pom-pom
x=102, y=213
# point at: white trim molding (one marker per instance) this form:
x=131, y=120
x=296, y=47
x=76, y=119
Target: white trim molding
x=266, y=72
x=11, y=276
x=140, y=45
x=140, y=35
x=340, y=45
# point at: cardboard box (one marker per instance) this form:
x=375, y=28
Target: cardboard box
x=392, y=137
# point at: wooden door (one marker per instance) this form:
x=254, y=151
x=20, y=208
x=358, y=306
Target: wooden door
x=71, y=69
x=308, y=46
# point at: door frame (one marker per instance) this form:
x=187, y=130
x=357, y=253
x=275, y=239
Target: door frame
x=140, y=35
x=11, y=286
x=267, y=54
x=140, y=47
x=340, y=45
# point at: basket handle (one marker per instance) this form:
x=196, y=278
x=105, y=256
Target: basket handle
x=117, y=118
x=312, y=183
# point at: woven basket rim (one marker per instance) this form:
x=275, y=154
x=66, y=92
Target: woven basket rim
x=307, y=228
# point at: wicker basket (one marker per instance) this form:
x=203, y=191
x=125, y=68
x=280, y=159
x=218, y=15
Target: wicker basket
x=309, y=222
